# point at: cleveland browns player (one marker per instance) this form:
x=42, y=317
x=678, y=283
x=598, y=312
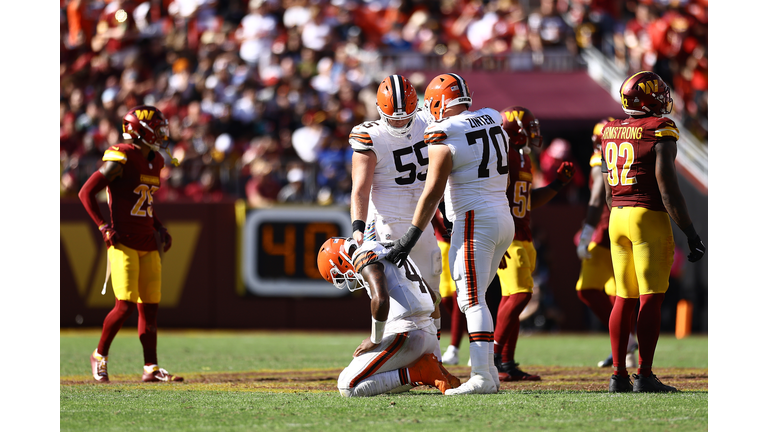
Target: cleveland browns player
x=596, y=286
x=642, y=194
x=468, y=164
x=389, y=167
x=519, y=261
x=134, y=234
x=402, y=350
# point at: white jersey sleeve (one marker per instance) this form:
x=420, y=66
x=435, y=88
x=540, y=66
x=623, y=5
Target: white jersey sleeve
x=401, y=166
x=479, y=147
x=410, y=304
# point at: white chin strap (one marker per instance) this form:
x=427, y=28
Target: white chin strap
x=526, y=149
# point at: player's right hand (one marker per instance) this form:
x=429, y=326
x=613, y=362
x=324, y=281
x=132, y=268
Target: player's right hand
x=358, y=237
x=582, y=250
x=697, y=249
x=109, y=235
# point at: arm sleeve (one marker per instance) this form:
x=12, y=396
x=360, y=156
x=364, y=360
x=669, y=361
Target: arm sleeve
x=87, y=196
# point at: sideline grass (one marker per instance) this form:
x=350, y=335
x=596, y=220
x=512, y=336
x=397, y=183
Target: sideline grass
x=134, y=407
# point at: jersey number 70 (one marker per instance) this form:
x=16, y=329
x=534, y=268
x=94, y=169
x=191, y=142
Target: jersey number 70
x=501, y=153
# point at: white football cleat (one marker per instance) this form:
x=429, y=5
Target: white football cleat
x=451, y=356
x=477, y=384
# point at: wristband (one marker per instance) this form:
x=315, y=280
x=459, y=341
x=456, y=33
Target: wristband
x=690, y=232
x=358, y=225
x=586, y=232
x=377, y=330
x=412, y=235
x=437, y=322
x=556, y=185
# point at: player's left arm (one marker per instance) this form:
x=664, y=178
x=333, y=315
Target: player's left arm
x=672, y=197
x=374, y=275
x=543, y=195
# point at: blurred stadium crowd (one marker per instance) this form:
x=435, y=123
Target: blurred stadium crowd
x=261, y=94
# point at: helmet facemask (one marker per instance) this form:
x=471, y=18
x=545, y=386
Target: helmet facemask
x=397, y=132
x=346, y=279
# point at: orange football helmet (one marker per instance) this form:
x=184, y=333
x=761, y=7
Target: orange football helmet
x=396, y=99
x=147, y=125
x=445, y=91
x=521, y=126
x=334, y=261
x=645, y=93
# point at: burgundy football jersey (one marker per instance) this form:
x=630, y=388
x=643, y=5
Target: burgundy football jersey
x=130, y=196
x=629, y=155
x=519, y=193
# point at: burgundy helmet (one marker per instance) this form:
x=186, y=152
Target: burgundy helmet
x=147, y=125
x=521, y=126
x=645, y=93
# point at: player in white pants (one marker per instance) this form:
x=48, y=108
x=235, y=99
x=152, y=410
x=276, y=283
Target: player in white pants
x=402, y=349
x=468, y=167
x=389, y=167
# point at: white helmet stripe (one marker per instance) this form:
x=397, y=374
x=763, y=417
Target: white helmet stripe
x=397, y=92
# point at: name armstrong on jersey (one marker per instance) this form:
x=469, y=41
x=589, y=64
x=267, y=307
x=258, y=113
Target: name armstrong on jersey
x=622, y=133
x=483, y=120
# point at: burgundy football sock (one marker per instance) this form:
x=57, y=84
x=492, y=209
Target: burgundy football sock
x=113, y=323
x=510, y=325
x=599, y=302
x=148, y=331
x=619, y=328
x=458, y=322
x=648, y=328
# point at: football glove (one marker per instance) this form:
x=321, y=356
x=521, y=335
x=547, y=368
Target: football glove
x=565, y=172
x=401, y=247
x=582, y=250
x=109, y=235
x=697, y=249
x=165, y=238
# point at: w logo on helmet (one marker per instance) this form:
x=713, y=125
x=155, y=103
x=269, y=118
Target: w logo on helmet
x=514, y=115
x=144, y=114
x=649, y=86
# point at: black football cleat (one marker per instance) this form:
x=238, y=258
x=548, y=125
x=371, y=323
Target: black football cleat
x=620, y=384
x=650, y=384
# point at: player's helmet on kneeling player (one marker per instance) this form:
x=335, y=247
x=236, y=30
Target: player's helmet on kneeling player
x=147, y=125
x=335, y=263
x=445, y=91
x=396, y=99
x=597, y=131
x=521, y=126
x=645, y=93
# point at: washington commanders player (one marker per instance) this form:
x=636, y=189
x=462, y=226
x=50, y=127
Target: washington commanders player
x=642, y=194
x=134, y=235
x=468, y=165
x=389, y=167
x=401, y=351
x=596, y=286
x=519, y=261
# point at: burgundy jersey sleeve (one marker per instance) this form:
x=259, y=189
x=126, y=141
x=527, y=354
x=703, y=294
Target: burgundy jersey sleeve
x=628, y=150
x=519, y=193
x=131, y=196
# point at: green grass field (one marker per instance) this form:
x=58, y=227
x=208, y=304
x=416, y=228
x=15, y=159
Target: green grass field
x=231, y=385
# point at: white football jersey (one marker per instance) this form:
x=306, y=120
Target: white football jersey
x=410, y=304
x=479, y=148
x=401, y=166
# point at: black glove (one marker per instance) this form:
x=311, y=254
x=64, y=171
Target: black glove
x=697, y=249
x=402, y=246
